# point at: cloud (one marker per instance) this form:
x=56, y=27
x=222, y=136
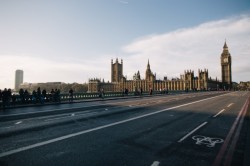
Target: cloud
x=193, y=48
x=169, y=54
x=123, y=2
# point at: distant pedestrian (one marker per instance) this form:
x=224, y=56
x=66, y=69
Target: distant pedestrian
x=71, y=95
x=151, y=91
x=9, y=94
x=39, y=95
x=26, y=96
x=44, y=95
x=5, y=97
x=34, y=97
x=57, y=95
x=126, y=91
x=102, y=93
x=21, y=94
x=52, y=93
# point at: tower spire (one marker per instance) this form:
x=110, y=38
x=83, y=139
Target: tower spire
x=225, y=45
x=148, y=66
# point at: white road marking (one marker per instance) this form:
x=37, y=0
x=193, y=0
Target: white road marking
x=63, y=115
x=208, y=141
x=191, y=132
x=230, y=104
x=67, y=116
x=219, y=113
x=106, y=109
x=19, y=122
x=155, y=163
x=56, y=118
x=102, y=127
x=7, y=127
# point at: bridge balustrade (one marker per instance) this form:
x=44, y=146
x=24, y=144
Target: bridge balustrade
x=64, y=97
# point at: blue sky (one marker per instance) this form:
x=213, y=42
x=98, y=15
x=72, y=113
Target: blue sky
x=72, y=41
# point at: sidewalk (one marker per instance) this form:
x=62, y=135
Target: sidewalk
x=32, y=110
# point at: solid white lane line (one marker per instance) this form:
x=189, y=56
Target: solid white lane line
x=219, y=113
x=230, y=104
x=191, y=132
x=98, y=128
x=155, y=163
x=19, y=122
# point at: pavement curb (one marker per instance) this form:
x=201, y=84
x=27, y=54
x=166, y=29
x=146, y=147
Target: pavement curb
x=67, y=102
x=53, y=112
x=247, y=151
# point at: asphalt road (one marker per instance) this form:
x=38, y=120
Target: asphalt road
x=186, y=129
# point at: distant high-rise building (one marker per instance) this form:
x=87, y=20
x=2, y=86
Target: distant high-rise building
x=18, y=78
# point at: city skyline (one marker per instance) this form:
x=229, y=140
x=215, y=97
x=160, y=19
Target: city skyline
x=75, y=41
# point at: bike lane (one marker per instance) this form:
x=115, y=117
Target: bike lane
x=213, y=142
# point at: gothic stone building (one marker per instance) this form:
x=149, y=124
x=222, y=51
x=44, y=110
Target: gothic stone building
x=187, y=81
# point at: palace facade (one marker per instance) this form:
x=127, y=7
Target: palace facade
x=187, y=81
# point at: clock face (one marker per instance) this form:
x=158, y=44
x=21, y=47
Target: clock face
x=225, y=60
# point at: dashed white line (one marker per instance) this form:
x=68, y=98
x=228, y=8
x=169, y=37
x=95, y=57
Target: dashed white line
x=191, y=132
x=155, y=163
x=19, y=122
x=219, y=113
x=230, y=105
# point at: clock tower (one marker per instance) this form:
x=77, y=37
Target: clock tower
x=226, y=72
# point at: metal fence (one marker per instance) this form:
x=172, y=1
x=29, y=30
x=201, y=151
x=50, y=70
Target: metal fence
x=17, y=100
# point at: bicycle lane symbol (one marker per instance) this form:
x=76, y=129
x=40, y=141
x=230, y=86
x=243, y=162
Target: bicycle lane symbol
x=209, y=142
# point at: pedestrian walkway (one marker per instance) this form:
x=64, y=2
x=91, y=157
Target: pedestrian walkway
x=35, y=108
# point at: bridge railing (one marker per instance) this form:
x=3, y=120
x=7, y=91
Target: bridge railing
x=16, y=100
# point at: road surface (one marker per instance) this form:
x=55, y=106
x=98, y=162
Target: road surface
x=185, y=129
